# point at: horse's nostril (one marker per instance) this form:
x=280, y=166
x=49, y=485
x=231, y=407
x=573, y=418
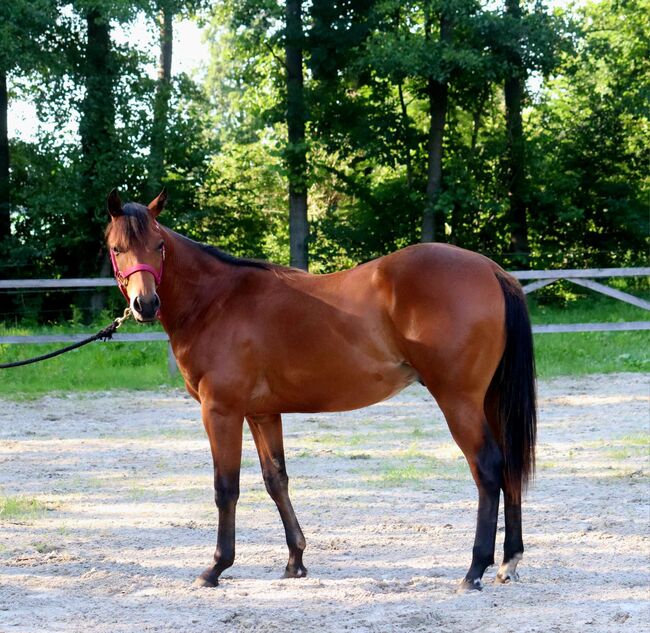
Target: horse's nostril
x=146, y=306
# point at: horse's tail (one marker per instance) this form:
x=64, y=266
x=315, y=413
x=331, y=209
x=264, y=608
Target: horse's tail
x=513, y=385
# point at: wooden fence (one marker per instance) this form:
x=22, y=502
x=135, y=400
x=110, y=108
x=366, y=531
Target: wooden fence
x=537, y=278
x=585, y=278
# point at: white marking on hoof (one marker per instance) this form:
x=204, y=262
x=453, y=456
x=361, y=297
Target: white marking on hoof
x=508, y=571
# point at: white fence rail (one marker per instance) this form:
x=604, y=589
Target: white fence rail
x=540, y=278
x=585, y=278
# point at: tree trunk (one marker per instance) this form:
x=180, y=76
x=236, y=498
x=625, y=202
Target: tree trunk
x=437, y=92
x=296, y=151
x=5, y=220
x=514, y=92
x=161, y=104
x=405, y=124
x=406, y=134
x=96, y=129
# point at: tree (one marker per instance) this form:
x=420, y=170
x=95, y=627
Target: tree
x=23, y=47
x=524, y=42
x=97, y=129
x=589, y=149
x=437, y=93
x=160, y=120
x=514, y=91
x=296, y=149
x=5, y=219
x=164, y=12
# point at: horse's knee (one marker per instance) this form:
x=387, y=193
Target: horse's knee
x=226, y=495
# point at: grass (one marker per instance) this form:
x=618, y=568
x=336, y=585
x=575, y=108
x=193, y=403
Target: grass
x=630, y=446
x=95, y=367
x=44, y=548
x=20, y=508
x=641, y=439
x=417, y=471
x=583, y=353
x=397, y=476
x=103, y=366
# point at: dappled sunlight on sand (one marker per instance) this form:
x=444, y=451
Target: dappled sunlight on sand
x=126, y=519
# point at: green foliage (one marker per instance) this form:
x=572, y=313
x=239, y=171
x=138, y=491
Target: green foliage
x=589, y=134
x=367, y=67
x=24, y=26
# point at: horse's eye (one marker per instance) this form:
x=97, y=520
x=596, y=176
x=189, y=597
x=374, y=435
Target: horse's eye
x=116, y=250
x=160, y=246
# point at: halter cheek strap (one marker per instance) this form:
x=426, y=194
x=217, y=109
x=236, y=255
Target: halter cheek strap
x=122, y=277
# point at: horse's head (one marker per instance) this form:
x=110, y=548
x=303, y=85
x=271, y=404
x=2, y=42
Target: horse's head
x=137, y=251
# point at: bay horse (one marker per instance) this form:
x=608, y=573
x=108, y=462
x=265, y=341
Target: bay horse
x=254, y=340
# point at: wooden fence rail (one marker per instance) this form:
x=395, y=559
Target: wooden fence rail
x=540, y=278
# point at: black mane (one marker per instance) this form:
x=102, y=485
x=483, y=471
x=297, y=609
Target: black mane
x=227, y=258
x=135, y=222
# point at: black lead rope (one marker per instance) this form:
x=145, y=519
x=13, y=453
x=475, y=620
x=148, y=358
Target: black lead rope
x=104, y=335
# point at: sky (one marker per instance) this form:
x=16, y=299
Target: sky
x=190, y=53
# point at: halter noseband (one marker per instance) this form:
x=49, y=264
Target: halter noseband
x=122, y=277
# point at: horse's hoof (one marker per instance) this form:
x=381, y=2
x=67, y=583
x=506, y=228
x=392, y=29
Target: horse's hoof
x=470, y=585
x=295, y=572
x=207, y=579
x=506, y=578
x=507, y=572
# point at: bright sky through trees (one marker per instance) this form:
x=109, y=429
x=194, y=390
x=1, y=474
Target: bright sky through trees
x=190, y=55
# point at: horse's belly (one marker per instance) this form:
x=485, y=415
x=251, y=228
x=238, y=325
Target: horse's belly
x=310, y=392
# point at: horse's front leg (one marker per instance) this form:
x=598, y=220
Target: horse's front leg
x=267, y=433
x=224, y=430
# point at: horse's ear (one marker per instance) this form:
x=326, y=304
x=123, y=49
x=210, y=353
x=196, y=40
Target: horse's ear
x=114, y=204
x=158, y=203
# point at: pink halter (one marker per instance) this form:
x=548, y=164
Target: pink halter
x=123, y=277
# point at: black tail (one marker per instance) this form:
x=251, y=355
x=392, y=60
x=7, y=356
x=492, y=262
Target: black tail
x=514, y=386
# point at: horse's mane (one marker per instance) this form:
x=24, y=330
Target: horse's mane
x=227, y=258
x=135, y=223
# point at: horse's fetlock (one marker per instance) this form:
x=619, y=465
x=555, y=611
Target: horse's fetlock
x=224, y=557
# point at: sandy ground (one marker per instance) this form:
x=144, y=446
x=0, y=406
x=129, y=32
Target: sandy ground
x=384, y=498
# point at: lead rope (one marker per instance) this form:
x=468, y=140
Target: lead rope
x=105, y=335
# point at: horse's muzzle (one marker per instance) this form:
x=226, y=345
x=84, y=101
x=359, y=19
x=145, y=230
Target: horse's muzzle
x=145, y=308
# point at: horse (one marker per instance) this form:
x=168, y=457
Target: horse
x=254, y=340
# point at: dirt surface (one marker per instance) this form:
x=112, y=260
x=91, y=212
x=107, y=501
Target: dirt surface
x=125, y=519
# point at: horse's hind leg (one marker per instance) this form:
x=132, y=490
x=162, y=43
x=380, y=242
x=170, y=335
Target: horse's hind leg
x=513, y=545
x=469, y=427
x=267, y=433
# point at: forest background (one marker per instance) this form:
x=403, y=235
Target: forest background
x=326, y=133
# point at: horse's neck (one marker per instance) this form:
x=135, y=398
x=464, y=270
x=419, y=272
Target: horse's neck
x=184, y=289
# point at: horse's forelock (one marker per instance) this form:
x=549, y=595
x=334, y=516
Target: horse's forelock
x=130, y=228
